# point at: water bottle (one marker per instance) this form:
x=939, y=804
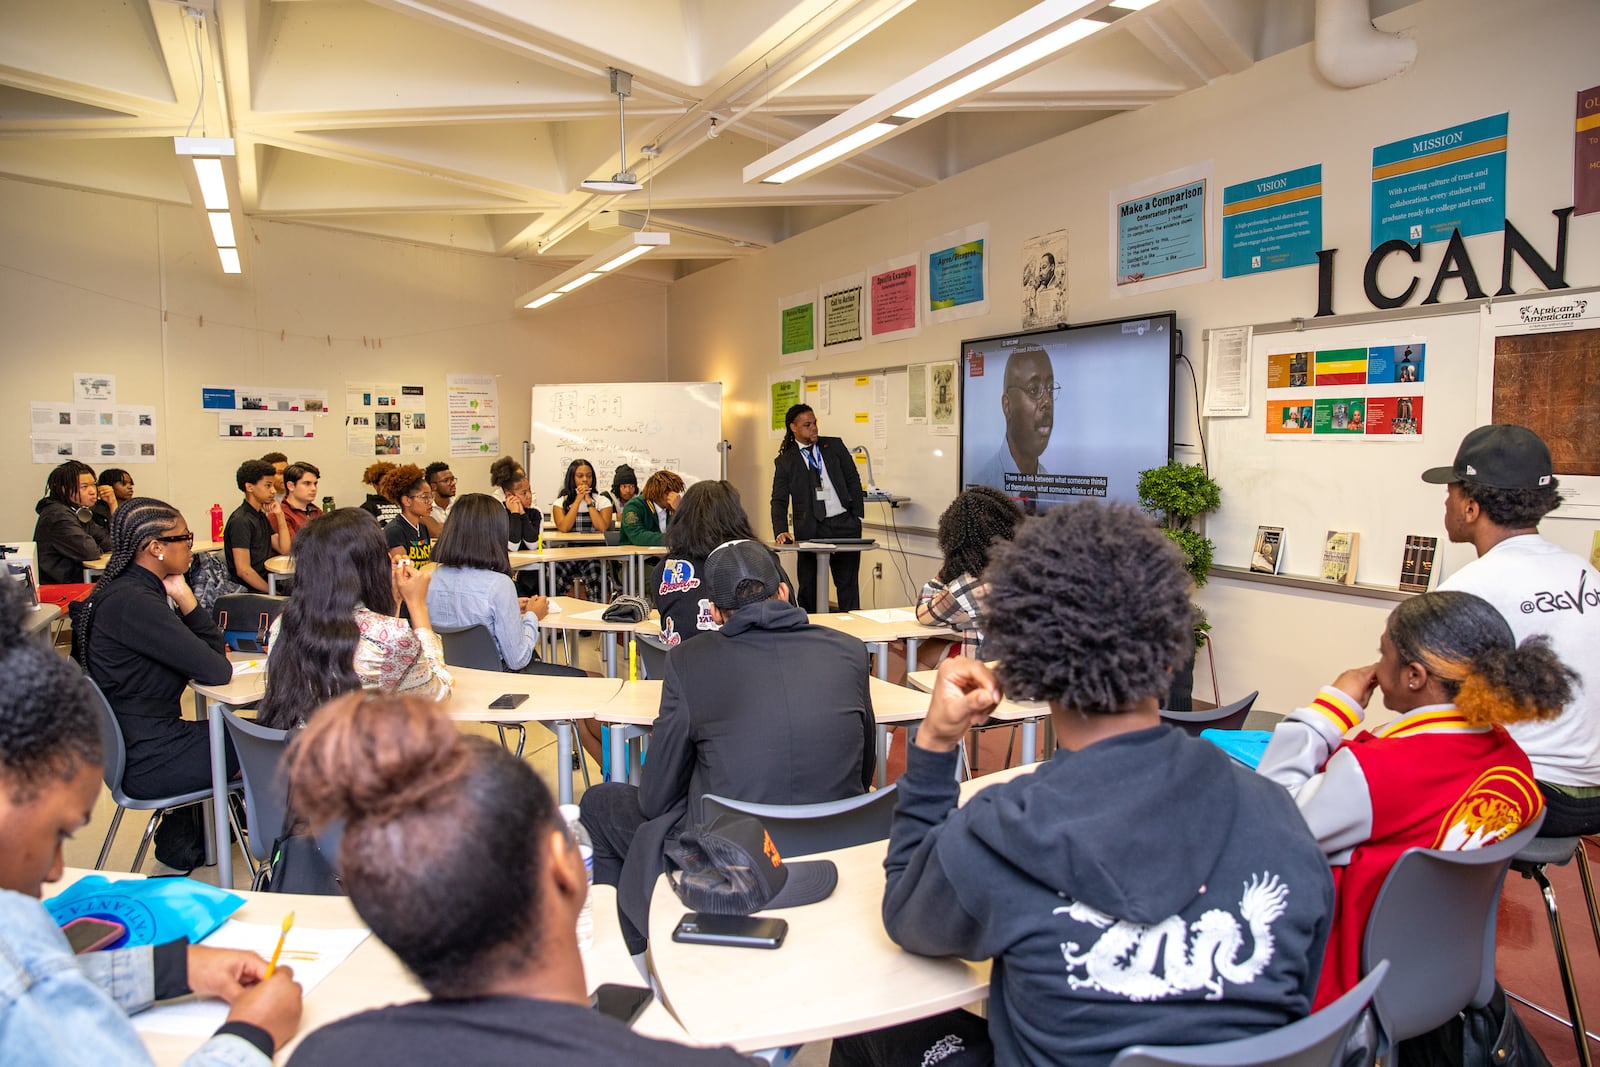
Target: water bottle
x=216, y=522
x=586, y=850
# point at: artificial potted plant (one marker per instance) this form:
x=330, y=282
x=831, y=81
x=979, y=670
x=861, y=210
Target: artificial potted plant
x=1177, y=494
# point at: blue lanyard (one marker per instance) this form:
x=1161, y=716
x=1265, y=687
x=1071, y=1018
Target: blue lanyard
x=812, y=461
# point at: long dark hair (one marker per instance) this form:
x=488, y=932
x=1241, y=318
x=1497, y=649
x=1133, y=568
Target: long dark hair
x=474, y=535
x=133, y=525
x=970, y=526
x=62, y=483
x=1466, y=643
x=48, y=728
x=444, y=836
x=708, y=514
x=569, y=484
x=340, y=561
x=794, y=412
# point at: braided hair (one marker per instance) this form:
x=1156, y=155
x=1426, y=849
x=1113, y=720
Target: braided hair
x=48, y=728
x=794, y=412
x=62, y=483
x=970, y=526
x=133, y=525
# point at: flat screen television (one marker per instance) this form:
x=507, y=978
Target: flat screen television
x=1068, y=413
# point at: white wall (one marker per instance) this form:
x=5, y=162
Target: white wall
x=85, y=280
x=1477, y=57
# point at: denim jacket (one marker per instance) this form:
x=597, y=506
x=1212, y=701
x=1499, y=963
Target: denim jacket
x=61, y=1009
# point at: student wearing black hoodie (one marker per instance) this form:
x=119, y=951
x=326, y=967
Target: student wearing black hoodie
x=1140, y=887
x=66, y=535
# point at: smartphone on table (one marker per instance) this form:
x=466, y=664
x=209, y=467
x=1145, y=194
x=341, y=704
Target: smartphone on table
x=740, y=931
x=507, y=701
x=624, y=1003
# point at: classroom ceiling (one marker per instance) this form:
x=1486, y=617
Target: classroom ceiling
x=469, y=124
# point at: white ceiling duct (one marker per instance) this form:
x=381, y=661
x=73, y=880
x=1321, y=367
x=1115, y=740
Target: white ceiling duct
x=1351, y=51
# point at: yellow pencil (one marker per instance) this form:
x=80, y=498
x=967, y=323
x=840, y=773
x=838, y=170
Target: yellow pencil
x=272, y=964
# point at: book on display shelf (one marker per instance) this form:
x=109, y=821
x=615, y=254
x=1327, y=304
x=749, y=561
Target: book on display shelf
x=1267, y=555
x=1416, y=564
x=1339, y=554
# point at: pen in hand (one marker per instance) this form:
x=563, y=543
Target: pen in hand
x=272, y=964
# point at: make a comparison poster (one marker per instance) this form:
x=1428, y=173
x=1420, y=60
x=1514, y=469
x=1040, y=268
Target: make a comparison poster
x=1373, y=391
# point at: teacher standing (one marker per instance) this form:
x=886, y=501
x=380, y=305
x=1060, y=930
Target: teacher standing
x=816, y=477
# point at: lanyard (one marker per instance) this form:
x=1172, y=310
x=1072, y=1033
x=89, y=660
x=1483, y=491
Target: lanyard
x=812, y=461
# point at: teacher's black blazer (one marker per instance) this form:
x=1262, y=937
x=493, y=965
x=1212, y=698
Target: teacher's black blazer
x=792, y=486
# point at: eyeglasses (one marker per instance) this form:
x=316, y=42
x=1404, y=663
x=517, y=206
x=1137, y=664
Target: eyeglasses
x=187, y=539
x=1034, y=390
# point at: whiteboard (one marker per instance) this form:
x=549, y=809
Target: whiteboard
x=650, y=426
x=1372, y=485
x=913, y=462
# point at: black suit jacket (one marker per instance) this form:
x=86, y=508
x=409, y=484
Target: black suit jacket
x=792, y=487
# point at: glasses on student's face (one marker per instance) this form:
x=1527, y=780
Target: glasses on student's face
x=1034, y=391
x=183, y=538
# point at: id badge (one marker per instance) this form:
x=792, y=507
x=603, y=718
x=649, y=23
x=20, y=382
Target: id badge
x=821, y=496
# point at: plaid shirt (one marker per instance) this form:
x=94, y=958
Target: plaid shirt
x=956, y=606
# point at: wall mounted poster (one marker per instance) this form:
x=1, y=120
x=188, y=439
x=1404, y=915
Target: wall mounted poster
x=841, y=312
x=958, y=274
x=797, y=327
x=1586, y=154
x=265, y=424
x=785, y=393
x=262, y=398
x=472, y=414
x=1272, y=223
x=1426, y=187
x=1158, y=231
x=101, y=435
x=892, y=299
x=1044, y=280
x=1375, y=391
x=385, y=419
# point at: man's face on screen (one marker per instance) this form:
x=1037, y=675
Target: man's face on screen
x=1029, y=403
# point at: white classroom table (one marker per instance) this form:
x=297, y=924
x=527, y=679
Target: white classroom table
x=570, y=614
x=824, y=553
x=1029, y=713
x=879, y=627
x=554, y=700
x=93, y=569
x=372, y=977
x=543, y=563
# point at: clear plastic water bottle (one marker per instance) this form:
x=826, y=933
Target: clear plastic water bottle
x=586, y=850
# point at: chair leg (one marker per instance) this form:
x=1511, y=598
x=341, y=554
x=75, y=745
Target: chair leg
x=244, y=846
x=1011, y=743
x=501, y=727
x=583, y=757
x=111, y=835
x=973, y=751
x=1588, y=892
x=1564, y=965
x=144, y=842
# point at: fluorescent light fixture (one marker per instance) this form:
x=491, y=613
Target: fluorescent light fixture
x=222, y=229
x=1012, y=48
x=596, y=266
x=230, y=260
x=213, y=187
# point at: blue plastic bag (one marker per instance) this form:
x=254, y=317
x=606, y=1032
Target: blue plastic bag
x=154, y=910
x=1245, y=746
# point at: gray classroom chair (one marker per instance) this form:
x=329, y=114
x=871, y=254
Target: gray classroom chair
x=804, y=829
x=1318, y=1040
x=1227, y=717
x=652, y=656
x=266, y=793
x=251, y=612
x=114, y=763
x=1531, y=862
x=1434, y=921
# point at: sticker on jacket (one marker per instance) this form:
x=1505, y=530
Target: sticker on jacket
x=677, y=576
x=1171, y=958
x=703, y=619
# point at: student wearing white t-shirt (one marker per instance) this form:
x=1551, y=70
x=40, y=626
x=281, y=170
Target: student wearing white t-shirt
x=1499, y=487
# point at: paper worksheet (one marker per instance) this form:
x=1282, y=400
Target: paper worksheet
x=312, y=953
x=887, y=614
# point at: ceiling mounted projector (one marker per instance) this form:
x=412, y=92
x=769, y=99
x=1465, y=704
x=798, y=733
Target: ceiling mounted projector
x=624, y=180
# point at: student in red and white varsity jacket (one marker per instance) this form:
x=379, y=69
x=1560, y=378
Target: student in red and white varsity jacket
x=1445, y=775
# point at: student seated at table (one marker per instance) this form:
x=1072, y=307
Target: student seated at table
x=142, y=655
x=1138, y=888
x=769, y=709
x=300, y=480
x=257, y=530
x=1445, y=775
x=708, y=515
x=968, y=530
x=456, y=857
x=376, y=504
x=442, y=482
x=62, y=1009
x=339, y=631
x=524, y=522
x=502, y=472
x=113, y=487
x=580, y=507
x=66, y=535
x=280, y=464
x=471, y=583
x=407, y=533
x=646, y=515
x=624, y=485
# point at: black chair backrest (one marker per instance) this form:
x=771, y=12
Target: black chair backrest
x=805, y=829
x=1434, y=920
x=1318, y=1040
x=266, y=793
x=247, y=612
x=470, y=646
x=613, y=537
x=1227, y=717
x=652, y=657
x=113, y=751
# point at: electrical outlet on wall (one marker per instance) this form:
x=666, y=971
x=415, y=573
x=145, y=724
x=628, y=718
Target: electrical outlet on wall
x=877, y=570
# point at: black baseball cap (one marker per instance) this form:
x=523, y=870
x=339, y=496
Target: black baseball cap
x=730, y=866
x=733, y=562
x=1501, y=456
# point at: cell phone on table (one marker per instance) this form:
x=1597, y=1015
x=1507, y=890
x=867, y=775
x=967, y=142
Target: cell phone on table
x=87, y=935
x=624, y=1003
x=740, y=931
x=507, y=701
